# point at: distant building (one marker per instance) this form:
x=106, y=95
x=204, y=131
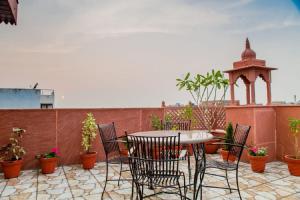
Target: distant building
x=14, y=98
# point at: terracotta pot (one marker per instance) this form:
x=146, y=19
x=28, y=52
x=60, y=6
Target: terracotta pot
x=211, y=148
x=88, y=160
x=293, y=165
x=48, y=165
x=124, y=152
x=258, y=163
x=224, y=155
x=11, y=169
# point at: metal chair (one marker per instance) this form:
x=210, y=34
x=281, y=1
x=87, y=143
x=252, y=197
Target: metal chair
x=236, y=149
x=183, y=126
x=112, y=151
x=155, y=169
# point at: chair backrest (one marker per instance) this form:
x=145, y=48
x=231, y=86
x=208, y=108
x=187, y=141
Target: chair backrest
x=153, y=156
x=240, y=136
x=183, y=126
x=109, y=138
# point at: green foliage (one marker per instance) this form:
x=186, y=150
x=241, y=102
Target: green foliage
x=187, y=113
x=294, y=125
x=228, y=136
x=89, y=132
x=208, y=92
x=156, y=123
x=13, y=150
x=168, y=118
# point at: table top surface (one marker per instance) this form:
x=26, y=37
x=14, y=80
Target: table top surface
x=186, y=137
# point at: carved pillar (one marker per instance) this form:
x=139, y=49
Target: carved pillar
x=232, y=93
x=253, y=92
x=248, y=93
x=269, y=101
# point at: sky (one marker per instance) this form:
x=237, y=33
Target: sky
x=116, y=53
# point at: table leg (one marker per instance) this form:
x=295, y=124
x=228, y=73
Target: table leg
x=200, y=164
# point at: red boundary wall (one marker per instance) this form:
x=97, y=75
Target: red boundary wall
x=46, y=129
x=269, y=127
x=62, y=128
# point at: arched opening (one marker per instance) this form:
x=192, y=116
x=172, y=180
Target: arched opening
x=241, y=89
x=261, y=90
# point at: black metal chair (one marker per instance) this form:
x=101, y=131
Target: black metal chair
x=236, y=149
x=112, y=151
x=154, y=162
x=182, y=126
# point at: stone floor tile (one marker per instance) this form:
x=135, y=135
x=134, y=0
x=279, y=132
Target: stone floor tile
x=72, y=182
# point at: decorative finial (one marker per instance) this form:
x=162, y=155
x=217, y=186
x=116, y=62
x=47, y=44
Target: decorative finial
x=248, y=53
x=247, y=44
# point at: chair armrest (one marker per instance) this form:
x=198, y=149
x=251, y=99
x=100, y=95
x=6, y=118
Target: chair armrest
x=119, y=141
x=230, y=144
x=219, y=138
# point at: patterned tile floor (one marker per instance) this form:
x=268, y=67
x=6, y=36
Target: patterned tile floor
x=72, y=182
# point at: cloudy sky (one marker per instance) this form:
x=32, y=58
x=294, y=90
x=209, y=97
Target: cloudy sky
x=116, y=53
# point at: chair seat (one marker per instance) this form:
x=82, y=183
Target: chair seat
x=221, y=164
x=161, y=178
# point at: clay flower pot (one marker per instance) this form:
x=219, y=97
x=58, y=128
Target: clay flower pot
x=211, y=148
x=124, y=152
x=48, y=165
x=224, y=154
x=258, y=163
x=88, y=160
x=293, y=165
x=11, y=169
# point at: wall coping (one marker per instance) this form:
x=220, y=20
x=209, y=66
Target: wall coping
x=57, y=109
x=263, y=106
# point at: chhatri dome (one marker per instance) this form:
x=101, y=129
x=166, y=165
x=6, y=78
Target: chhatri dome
x=248, y=53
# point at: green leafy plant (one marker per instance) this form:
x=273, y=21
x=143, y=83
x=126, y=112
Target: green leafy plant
x=188, y=114
x=258, y=151
x=52, y=154
x=156, y=122
x=228, y=136
x=13, y=150
x=208, y=92
x=294, y=125
x=89, y=132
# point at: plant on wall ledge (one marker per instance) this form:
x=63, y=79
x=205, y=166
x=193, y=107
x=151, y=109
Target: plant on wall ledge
x=89, y=133
x=208, y=93
x=294, y=160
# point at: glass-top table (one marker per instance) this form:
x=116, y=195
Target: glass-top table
x=195, y=138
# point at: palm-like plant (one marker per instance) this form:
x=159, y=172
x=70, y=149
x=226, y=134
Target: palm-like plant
x=208, y=92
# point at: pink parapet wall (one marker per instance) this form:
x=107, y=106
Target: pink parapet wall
x=269, y=127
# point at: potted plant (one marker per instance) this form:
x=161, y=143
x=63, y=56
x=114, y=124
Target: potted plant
x=89, y=133
x=211, y=147
x=258, y=158
x=226, y=148
x=294, y=160
x=48, y=161
x=12, y=153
